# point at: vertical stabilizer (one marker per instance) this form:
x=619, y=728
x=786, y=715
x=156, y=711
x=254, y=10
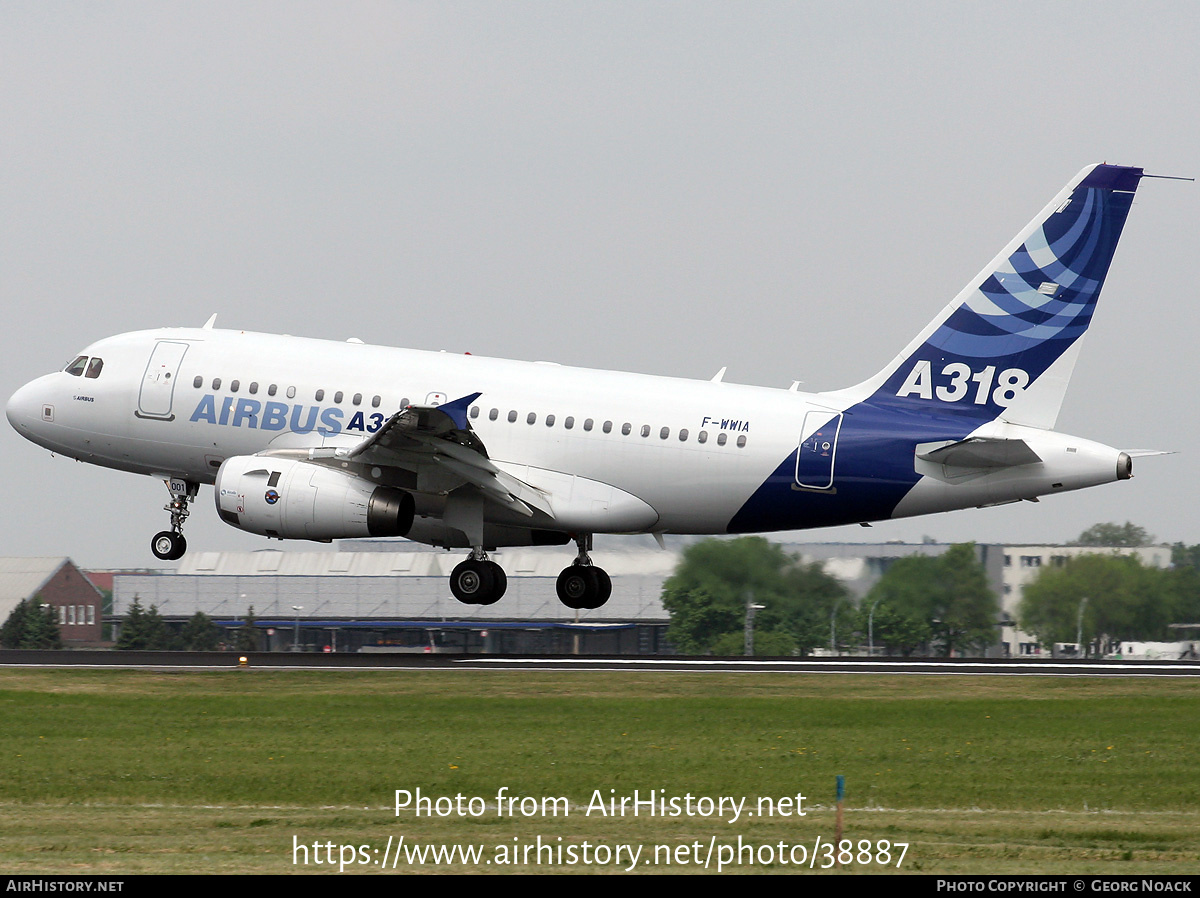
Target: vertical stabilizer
x=1006, y=345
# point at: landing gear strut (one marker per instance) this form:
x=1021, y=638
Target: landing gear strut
x=583, y=585
x=169, y=545
x=478, y=581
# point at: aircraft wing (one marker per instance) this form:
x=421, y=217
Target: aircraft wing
x=982, y=452
x=439, y=446
x=422, y=426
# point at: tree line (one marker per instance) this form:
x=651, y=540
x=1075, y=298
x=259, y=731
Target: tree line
x=145, y=630
x=1104, y=598
x=921, y=603
x=32, y=625
x=925, y=604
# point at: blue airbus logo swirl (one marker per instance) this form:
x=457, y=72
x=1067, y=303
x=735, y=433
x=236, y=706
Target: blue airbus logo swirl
x=1046, y=292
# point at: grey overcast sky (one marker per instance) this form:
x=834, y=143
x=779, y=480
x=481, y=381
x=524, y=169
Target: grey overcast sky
x=788, y=189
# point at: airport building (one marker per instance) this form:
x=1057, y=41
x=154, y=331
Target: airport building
x=78, y=605
x=393, y=595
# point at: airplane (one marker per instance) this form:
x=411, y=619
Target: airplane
x=321, y=440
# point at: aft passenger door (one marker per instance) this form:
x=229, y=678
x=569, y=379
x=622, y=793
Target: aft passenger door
x=158, y=384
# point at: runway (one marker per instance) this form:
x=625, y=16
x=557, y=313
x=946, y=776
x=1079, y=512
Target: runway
x=676, y=663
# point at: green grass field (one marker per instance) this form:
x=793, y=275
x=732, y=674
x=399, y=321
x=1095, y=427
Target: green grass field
x=122, y=772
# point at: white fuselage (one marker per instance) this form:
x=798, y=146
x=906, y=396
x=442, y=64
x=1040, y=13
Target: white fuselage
x=176, y=403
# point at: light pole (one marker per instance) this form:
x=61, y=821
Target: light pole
x=751, y=607
x=296, y=635
x=871, y=628
x=833, y=627
x=1079, y=629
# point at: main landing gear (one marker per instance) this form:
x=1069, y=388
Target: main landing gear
x=169, y=545
x=478, y=581
x=583, y=585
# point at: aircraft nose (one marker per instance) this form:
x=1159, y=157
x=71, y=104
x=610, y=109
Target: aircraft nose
x=25, y=408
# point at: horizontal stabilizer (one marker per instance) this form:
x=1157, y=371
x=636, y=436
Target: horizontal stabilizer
x=982, y=452
x=1146, y=453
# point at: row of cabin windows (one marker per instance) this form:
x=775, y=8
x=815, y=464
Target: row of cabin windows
x=607, y=427
x=568, y=422
x=272, y=389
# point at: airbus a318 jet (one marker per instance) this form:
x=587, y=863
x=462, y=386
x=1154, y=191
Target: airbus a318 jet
x=319, y=440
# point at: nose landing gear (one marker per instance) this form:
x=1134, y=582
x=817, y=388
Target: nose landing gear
x=169, y=545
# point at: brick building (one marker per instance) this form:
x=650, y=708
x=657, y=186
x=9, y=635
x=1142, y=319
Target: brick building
x=78, y=605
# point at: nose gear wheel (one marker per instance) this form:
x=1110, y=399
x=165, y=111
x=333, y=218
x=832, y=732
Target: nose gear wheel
x=169, y=545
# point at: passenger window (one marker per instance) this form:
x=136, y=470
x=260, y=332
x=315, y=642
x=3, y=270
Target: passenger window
x=702, y=436
x=645, y=430
x=494, y=414
x=76, y=367
x=721, y=438
x=337, y=398
x=741, y=442
x=626, y=428
x=404, y=402
x=549, y=420
x=198, y=382
x=253, y=387
x=94, y=368
x=531, y=418
x=607, y=428
x=216, y=383
x=569, y=422
x=272, y=389
x=683, y=435
x=474, y=411
x=291, y=393
x=375, y=400
x=320, y=395
x=233, y=385
x=587, y=424
x=512, y=416
x=664, y=433
x=357, y=400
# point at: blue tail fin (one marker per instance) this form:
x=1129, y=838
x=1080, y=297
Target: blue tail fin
x=1006, y=346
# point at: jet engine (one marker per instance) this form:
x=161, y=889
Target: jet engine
x=292, y=499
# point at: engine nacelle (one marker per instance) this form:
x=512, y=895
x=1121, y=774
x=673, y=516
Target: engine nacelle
x=291, y=499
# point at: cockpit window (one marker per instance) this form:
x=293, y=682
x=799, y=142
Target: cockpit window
x=94, y=368
x=76, y=367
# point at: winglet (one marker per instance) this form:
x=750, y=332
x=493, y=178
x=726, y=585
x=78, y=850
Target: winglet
x=208, y=325
x=456, y=411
